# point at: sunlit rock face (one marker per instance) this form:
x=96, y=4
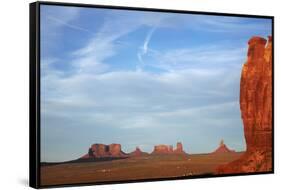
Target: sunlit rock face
x=256, y=109
x=256, y=95
x=168, y=149
x=103, y=151
x=162, y=149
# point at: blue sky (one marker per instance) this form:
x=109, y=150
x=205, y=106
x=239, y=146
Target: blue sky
x=140, y=79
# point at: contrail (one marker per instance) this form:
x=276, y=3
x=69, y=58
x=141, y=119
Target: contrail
x=144, y=48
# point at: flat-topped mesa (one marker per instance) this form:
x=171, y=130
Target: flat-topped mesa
x=256, y=109
x=222, y=148
x=168, y=149
x=103, y=151
x=162, y=149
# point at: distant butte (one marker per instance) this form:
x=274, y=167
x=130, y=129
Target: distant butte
x=104, y=151
x=222, y=148
x=97, y=151
x=168, y=149
x=137, y=153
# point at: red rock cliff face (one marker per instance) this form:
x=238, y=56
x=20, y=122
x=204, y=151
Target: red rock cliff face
x=256, y=109
x=256, y=95
x=102, y=150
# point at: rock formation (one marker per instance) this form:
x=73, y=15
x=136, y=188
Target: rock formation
x=168, y=149
x=137, y=153
x=222, y=148
x=256, y=109
x=179, y=149
x=114, y=151
x=162, y=149
x=103, y=151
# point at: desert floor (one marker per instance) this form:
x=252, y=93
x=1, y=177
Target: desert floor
x=138, y=168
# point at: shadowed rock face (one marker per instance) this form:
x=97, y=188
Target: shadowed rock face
x=256, y=109
x=102, y=150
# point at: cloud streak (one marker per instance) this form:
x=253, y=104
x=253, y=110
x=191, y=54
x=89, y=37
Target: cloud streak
x=143, y=50
x=65, y=23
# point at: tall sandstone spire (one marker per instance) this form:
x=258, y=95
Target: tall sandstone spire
x=256, y=109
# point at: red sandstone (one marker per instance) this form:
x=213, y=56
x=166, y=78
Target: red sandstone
x=102, y=150
x=168, y=149
x=138, y=152
x=222, y=148
x=256, y=109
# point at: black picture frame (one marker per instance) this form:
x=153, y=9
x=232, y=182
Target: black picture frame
x=34, y=90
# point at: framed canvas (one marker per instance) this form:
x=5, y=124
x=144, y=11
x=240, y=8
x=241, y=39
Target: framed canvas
x=126, y=94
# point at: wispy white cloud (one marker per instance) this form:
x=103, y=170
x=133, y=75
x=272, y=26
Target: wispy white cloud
x=105, y=43
x=54, y=19
x=207, y=56
x=232, y=24
x=143, y=50
x=130, y=93
x=226, y=24
x=147, y=39
x=65, y=22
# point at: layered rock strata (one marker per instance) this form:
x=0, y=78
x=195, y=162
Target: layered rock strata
x=168, y=149
x=103, y=151
x=256, y=109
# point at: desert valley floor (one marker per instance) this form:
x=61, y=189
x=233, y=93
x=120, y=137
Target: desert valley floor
x=135, y=168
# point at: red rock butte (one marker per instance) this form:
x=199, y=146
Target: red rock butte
x=102, y=151
x=168, y=149
x=138, y=152
x=115, y=151
x=222, y=148
x=256, y=109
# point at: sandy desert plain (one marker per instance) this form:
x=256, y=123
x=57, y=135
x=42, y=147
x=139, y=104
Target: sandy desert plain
x=136, y=168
